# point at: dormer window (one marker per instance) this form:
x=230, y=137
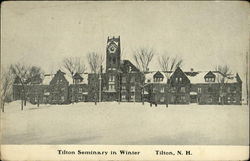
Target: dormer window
x=209, y=79
x=158, y=79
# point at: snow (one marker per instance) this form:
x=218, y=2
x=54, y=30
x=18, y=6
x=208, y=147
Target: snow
x=47, y=79
x=199, y=78
x=69, y=78
x=85, y=78
x=125, y=123
x=149, y=77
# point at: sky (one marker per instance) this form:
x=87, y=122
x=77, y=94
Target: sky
x=203, y=34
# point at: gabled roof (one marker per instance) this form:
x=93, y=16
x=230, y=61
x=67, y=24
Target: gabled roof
x=125, y=64
x=77, y=76
x=85, y=78
x=149, y=76
x=178, y=70
x=158, y=74
x=209, y=75
x=199, y=77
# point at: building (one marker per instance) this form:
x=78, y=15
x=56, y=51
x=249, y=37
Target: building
x=122, y=81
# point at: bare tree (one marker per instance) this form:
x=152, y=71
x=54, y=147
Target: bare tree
x=169, y=64
x=95, y=61
x=142, y=58
x=74, y=65
x=6, y=85
x=24, y=74
x=224, y=73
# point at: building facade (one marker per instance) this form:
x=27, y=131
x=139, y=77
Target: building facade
x=122, y=81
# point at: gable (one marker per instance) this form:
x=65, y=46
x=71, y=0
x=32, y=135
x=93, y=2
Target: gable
x=179, y=77
x=209, y=75
x=78, y=77
x=127, y=66
x=158, y=75
x=59, y=78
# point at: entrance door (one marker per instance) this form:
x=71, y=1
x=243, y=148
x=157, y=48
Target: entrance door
x=193, y=98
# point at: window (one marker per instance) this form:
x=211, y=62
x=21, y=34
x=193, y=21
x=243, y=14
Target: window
x=210, y=89
x=172, y=99
x=80, y=90
x=176, y=80
x=180, y=79
x=123, y=79
x=132, y=88
x=79, y=97
x=123, y=97
x=162, y=99
x=162, y=90
x=199, y=90
x=129, y=69
x=154, y=90
x=210, y=100
x=132, y=97
x=182, y=89
x=111, y=78
x=62, y=98
x=209, y=79
x=132, y=79
x=183, y=98
x=111, y=87
x=158, y=79
x=233, y=89
x=173, y=89
x=228, y=99
x=35, y=99
x=228, y=89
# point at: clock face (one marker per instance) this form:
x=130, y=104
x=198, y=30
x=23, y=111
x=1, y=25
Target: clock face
x=112, y=48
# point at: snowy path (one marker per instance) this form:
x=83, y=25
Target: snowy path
x=127, y=123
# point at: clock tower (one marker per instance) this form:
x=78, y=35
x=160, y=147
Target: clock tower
x=112, y=75
x=113, y=54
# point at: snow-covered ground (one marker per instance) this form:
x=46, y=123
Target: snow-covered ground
x=125, y=123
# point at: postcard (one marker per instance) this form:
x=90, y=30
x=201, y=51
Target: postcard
x=132, y=80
